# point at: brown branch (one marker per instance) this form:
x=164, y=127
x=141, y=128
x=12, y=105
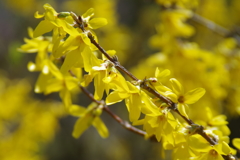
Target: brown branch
x=125, y=124
x=85, y=91
x=210, y=25
x=112, y=59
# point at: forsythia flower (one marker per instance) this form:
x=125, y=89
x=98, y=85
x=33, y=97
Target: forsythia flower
x=88, y=117
x=177, y=95
x=132, y=99
x=52, y=80
x=92, y=23
x=156, y=83
x=206, y=151
x=160, y=125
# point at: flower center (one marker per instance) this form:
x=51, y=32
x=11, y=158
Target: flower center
x=181, y=99
x=213, y=153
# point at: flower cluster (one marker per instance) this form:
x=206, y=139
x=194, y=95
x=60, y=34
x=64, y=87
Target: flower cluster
x=26, y=124
x=71, y=58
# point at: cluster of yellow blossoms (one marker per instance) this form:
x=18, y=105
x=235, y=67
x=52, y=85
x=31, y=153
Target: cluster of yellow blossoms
x=71, y=58
x=26, y=124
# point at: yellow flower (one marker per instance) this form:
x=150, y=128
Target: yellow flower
x=206, y=151
x=88, y=117
x=132, y=97
x=41, y=45
x=105, y=77
x=92, y=23
x=174, y=22
x=156, y=82
x=177, y=95
x=160, y=125
x=52, y=80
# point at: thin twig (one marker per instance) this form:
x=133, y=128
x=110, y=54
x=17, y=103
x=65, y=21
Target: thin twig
x=125, y=124
x=210, y=25
x=114, y=60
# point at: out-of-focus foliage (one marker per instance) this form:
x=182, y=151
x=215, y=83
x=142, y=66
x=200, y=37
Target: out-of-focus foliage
x=196, y=51
x=198, y=56
x=26, y=124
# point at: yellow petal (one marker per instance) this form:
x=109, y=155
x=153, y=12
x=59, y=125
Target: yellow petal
x=86, y=80
x=225, y=148
x=153, y=121
x=120, y=82
x=67, y=27
x=41, y=82
x=139, y=122
x=162, y=74
x=236, y=142
x=218, y=120
x=194, y=95
x=89, y=13
x=101, y=128
x=183, y=109
x=72, y=59
x=115, y=97
x=134, y=104
x=99, y=86
x=71, y=82
x=149, y=107
x=43, y=27
x=171, y=96
x=89, y=59
x=97, y=23
x=85, y=39
x=82, y=125
x=67, y=45
x=199, y=144
x=177, y=87
x=37, y=15
x=77, y=110
x=54, y=69
x=30, y=32
x=53, y=85
x=50, y=13
x=66, y=98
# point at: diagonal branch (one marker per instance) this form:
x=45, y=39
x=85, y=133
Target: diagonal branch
x=210, y=25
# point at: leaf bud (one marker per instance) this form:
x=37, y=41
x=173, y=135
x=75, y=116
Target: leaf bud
x=63, y=14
